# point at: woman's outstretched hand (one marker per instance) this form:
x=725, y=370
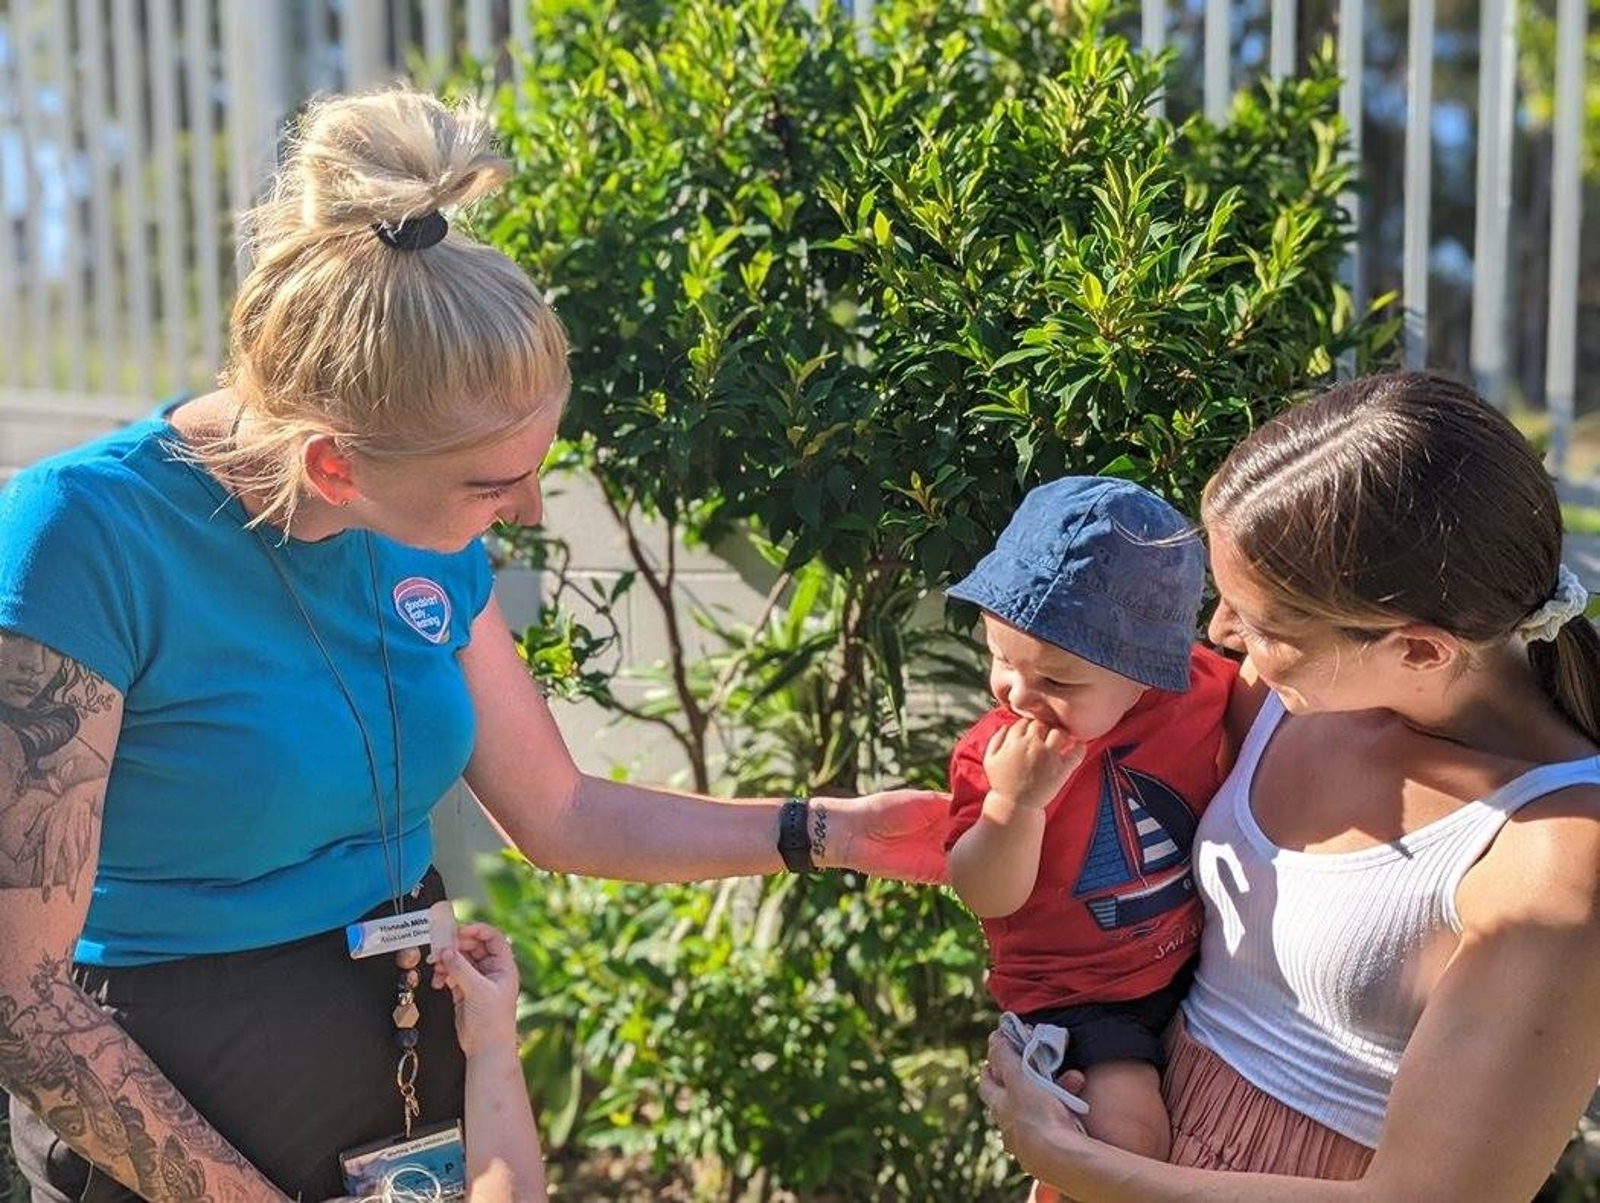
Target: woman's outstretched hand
x=898, y=833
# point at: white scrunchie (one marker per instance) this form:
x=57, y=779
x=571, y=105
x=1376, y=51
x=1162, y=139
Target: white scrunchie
x=1568, y=601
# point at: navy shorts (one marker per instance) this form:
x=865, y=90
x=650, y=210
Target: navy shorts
x=1118, y=1031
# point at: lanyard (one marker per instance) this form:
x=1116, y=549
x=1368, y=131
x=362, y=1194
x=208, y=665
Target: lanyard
x=393, y=864
x=405, y=1014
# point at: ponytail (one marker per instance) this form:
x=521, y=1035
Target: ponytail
x=1568, y=668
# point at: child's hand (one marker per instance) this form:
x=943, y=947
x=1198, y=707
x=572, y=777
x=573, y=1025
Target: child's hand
x=482, y=976
x=1028, y=762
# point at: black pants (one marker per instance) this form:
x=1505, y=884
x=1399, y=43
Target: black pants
x=288, y=1051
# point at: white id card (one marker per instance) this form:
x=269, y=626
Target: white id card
x=391, y=933
x=434, y=1160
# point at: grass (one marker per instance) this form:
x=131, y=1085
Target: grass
x=1583, y=456
x=1581, y=519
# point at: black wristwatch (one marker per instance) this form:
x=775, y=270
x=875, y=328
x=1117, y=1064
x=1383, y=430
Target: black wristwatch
x=794, y=835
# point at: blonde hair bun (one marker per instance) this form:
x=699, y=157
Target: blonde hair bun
x=391, y=155
x=385, y=156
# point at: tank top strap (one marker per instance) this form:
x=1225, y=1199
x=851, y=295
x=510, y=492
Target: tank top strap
x=1260, y=734
x=1480, y=822
x=1541, y=780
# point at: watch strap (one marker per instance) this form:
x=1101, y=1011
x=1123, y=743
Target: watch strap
x=794, y=835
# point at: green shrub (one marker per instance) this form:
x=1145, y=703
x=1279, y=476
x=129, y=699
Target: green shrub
x=684, y=1022
x=843, y=296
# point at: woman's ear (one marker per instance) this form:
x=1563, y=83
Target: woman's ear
x=1426, y=649
x=328, y=470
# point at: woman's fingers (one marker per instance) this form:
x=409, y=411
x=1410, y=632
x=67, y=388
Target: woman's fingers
x=994, y=1085
x=992, y=1092
x=999, y=1069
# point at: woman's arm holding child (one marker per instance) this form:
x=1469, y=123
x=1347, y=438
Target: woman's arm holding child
x=994, y=865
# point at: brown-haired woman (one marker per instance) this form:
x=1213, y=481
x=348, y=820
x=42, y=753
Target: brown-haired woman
x=1398, y=978
x=283, y=648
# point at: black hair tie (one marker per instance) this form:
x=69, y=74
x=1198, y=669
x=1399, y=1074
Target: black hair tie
x=412, y=233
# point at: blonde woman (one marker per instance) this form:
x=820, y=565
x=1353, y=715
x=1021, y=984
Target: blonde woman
x=281, y=646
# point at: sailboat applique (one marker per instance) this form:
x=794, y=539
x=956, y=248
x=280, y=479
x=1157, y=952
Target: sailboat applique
x=1137, y=866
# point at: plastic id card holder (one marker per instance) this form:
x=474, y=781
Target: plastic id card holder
x=433, y=1159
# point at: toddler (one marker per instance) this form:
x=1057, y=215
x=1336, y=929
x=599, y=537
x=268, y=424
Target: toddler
x=1074, y=801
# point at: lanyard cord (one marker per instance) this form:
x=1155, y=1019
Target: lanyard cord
x=393, y=865
x=405, y=1024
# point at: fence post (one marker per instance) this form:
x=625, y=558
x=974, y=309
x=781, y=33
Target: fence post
x=1152, y=40
x=1352, y=60
x=253, y=48
x=362, y=29
x=1217, y=59
x=1497, y=60
x=170, y=215
x=1418, y=193
x=62, y=132
x=1566, y=216
x=1284, y=56
x=93, y=64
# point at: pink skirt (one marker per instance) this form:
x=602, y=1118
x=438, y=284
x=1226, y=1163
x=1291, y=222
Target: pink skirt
x=1222, y=1122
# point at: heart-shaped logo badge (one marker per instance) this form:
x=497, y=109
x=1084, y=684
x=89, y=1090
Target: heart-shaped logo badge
x=425, y=608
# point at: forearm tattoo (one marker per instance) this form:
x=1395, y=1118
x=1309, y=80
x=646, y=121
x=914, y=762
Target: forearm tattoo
x=59, y=1053
x=64, y=1058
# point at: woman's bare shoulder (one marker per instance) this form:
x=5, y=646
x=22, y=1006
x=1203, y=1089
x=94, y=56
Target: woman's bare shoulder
x=1543, y=867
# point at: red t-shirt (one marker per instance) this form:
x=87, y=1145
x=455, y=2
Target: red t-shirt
x=1113, y=915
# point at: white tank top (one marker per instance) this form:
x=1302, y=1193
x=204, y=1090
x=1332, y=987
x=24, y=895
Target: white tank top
x=1314, y=968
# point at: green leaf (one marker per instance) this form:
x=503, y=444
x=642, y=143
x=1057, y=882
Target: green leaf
x=1124, y=466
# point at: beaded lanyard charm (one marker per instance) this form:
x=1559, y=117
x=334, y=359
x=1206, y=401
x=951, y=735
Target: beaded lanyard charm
x=406, y=1015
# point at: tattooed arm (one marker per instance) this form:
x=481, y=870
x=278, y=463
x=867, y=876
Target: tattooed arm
x=59, y=1053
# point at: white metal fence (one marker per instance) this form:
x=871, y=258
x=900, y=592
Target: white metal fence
x=130, y=131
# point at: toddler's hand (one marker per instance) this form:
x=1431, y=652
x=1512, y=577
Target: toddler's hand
x=482, y=976
x=1028, y=762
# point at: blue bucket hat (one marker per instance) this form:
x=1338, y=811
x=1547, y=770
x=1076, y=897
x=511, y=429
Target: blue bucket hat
x=1101, y=568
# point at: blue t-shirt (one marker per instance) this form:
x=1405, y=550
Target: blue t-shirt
x=239, y=811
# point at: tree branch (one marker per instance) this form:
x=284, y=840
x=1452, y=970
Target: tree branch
x=661, y=586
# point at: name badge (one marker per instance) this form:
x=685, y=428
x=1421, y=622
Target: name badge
x=435, y=926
